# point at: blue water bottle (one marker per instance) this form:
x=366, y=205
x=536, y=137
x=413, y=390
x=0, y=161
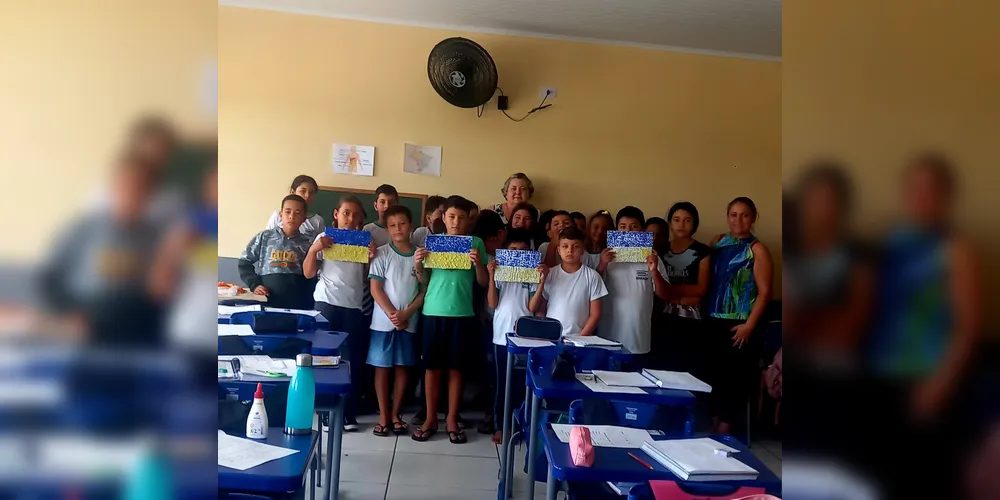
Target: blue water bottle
x=301, y=397
x=149, y=479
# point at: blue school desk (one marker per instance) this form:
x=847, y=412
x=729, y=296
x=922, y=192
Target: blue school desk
x=543, y=387
x=276, y=477
x=334, y=385
x=323, y=343
x=319, y=322
x=514, y=351
x=614, y=464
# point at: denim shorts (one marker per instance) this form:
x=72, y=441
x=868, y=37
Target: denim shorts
x=395, y=348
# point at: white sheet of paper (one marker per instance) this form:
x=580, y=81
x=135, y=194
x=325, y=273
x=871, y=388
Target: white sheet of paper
x=242, y=454
x=683, y=381
x=597, y=386
x=607, y=436
x=292, y=311
x=261, y=365
x=623, y=379
x=230, y=330
x=237, y=309
x=591, y=341
x=523, y=342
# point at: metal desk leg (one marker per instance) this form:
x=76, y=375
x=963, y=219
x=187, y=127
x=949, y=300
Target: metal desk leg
x=504, y=465
x=333, y=448
x=536, y=406
x=319, y=445
x=689, y=424
x=551, y=486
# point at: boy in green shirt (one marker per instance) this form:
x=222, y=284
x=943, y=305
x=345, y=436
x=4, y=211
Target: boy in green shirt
x=449, y=324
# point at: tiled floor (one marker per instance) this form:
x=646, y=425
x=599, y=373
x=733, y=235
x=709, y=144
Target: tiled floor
x=398, y=468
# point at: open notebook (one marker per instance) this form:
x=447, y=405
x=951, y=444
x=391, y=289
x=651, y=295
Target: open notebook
x=683, y=381
x=701, y=459
x=592, y=341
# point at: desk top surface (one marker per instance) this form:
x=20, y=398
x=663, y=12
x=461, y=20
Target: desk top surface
x=614, y=464
x=281, y=475
x=544, y=387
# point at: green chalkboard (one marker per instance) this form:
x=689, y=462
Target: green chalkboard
x=327, y=198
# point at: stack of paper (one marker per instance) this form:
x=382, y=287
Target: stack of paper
x=701, y=459
x=228, y=330
x=606, y=436
x=682, y=381
x=595, y=384
x=304, y=312
x=592, y=341
x=242, y=454
x=263, y=366
x=523, y=342
x=227, y=311
x=623, y=379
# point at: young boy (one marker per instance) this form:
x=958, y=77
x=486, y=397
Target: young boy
x=398, y=296
x=509, y=302
x=449, y=326
x=385, y=197
x=271, y=265
x=550, y=249
x=572, y=290
x=631, y=286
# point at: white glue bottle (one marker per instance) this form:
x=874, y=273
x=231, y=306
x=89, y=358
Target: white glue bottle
x=257, y=421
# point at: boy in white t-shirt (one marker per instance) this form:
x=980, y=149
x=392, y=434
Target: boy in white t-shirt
x=385, y=197
x=550, y=249
x=571, y=290
x=629, y=312
x=398, y=295
x=509, y=302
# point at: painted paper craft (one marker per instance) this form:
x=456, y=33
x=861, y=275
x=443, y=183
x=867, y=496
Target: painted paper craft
x=518, y=266
x=630, y=246
x=448, y=252
x=349, y=245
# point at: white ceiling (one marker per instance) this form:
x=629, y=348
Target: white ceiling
x=739, y=28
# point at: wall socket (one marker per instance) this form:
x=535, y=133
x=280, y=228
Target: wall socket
x=549, y=91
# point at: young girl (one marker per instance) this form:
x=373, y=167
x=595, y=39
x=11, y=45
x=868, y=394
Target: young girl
x=305, y=187
x=523, y=217
x=339, y=297
x=433, y=210
x=597, y=237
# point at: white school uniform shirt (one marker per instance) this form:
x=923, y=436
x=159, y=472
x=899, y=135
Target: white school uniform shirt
x=419, y=237
x=512, y=306
x=569, y=296
x=340, y=283
x=399, y=282
x=627, y=314
x=313, y=225
x=591, y=260
x=544, y=247
x=379, y=234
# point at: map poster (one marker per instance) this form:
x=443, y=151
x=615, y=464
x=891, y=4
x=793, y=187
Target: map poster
x=423, y=160
x=353, y=160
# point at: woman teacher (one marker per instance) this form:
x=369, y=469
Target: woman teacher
x=516, y=189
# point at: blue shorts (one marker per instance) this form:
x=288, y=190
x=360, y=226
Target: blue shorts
x=388, y=349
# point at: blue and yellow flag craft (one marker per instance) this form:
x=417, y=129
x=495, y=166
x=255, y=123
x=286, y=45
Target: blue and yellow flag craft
x=349, y=245
x=630, y=246
x=518, y=266
x=448, y=252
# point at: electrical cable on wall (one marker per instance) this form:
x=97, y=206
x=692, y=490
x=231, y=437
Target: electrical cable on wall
x=540, y=107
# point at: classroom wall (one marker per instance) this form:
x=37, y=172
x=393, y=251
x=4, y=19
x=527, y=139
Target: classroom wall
x=629, y=126
x=874, y=82
x=76, y=75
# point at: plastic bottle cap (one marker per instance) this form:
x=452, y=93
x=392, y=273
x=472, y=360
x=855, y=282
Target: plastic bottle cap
x=260, y=391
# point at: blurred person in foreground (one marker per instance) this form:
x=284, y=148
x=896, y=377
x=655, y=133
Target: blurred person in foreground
x=98, y=273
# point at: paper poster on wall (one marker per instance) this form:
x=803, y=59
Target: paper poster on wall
x=423, y=160
x=353, y=159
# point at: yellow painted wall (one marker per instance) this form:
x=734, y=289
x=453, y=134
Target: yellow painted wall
x=73, y=75
x=629, y=126
x=876, y=81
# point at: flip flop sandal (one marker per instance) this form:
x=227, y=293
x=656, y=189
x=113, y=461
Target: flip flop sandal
x=380, y=430
x=457, y=437
x=422, y=435
x=399, y=426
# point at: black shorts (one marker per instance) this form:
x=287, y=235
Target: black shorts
x=448, y=343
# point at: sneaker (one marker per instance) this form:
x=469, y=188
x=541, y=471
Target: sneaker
x=351, y=426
